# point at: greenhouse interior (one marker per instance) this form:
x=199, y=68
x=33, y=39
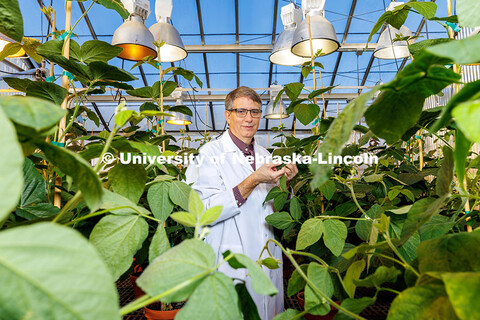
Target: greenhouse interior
x=232, y=159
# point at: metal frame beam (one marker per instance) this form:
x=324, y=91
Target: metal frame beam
x=274, y=33
x=266, y=48
x=237, y=37
x=205, y=62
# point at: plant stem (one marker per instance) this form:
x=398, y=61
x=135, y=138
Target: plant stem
x=312, y=285
x=394, y=249
x=93, y=214
x=71, y=203
x=350, y=186
x=146, y=300
x=106, y=147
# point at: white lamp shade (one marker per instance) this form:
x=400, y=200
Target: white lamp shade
x=180, y=119
x=281, y=53
x=279, y=112
x=135, y=39
x=389, y=49
x=323, y=37
x=173, y=49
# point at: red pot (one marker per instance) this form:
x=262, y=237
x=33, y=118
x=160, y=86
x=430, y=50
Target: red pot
x=136, y=289
x=151, y=314
x=308, y=316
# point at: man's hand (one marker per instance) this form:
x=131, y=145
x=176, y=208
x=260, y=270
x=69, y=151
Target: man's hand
x=268, y=173
x=291, y=171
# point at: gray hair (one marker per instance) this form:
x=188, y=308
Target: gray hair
x=239, y=93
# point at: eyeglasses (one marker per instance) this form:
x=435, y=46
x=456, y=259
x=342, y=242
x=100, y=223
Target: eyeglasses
x=242, y=113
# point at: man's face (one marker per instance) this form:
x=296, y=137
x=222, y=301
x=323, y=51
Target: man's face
x=243, y=128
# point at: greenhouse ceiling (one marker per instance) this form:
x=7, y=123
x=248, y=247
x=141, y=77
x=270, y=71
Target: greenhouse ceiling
x=229, y=43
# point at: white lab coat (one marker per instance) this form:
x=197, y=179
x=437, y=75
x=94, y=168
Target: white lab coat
x=239, y=229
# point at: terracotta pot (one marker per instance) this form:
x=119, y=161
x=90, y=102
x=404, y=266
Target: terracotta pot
x=151, y=314
x=308, y=316
x=136, y=289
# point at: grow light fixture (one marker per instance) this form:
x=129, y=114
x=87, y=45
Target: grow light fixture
x=281, y=53
x=323, y=33
x=389, y=49
x=173, y=48
x=279, y=112
x=133, y=36
x=179, y=118
x=4, y=40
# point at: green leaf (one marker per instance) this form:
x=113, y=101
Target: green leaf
x=122, y=116
x=354, y=305
x=113, y=201
x=159, y=244
x=36, y=211
x=35, y=114
x=436, y=227
x=334, y=235
x=211, y=215
x=381, y=275
x=287, y=315
x=30, y=46
x=450, y=253
x=463, y=51
x=296, y=283
x=420, y=213
x=328, y=189
x=468, y=91
x=321, y=279
x=422, y=302
x=159, y=201
x=261, y=283
x=416, y=47
x=463, y=290
x=407, y=193
x=47, y=91
x=195, y=204
x=179, y=193
x=215, y=298
x=95, y=50
x=283, y=183
x=11, y=173
x=465, y=115
x=18, y=83
x=293, y=90
x=363, y=228
x=100, y=70
x=462, y=150
x=295, y=208
x=467, y=12
x=346, y=209
x=270, y=263
x=400, y=105
x=81, y=172
x=280, y=220
x=247, y=305
x=392, y=194
x=54, y=48
x=66, y=258
x=306, y=113
x=318, y=92
x=338, y=134
x=310, y=232
x=280, y=200
x=145, y=92
x=34, y=185
x=11, y=18
x=128, y=180
x=117, y=239
x=353, y=273
x=187, y=263
x=445, y=174
x=116, y=5
x=10, y=49
x=168, y=88
x=273, y=193
x=185, y=218
x=426, y=9
x=182, y=109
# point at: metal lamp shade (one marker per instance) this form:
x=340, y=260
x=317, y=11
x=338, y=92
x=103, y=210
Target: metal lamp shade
x=173, y=49
x=278, y=113
x=389, y=49
x=180, y=119
x=281, y=53
x=4, y=40
x=135, y=39
x=323, y=37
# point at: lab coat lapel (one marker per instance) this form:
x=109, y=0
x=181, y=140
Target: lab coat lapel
x=238, y=158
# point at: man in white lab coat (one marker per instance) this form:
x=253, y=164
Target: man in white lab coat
x=241, y=187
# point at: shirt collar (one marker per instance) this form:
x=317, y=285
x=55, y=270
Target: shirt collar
x=242, y=145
